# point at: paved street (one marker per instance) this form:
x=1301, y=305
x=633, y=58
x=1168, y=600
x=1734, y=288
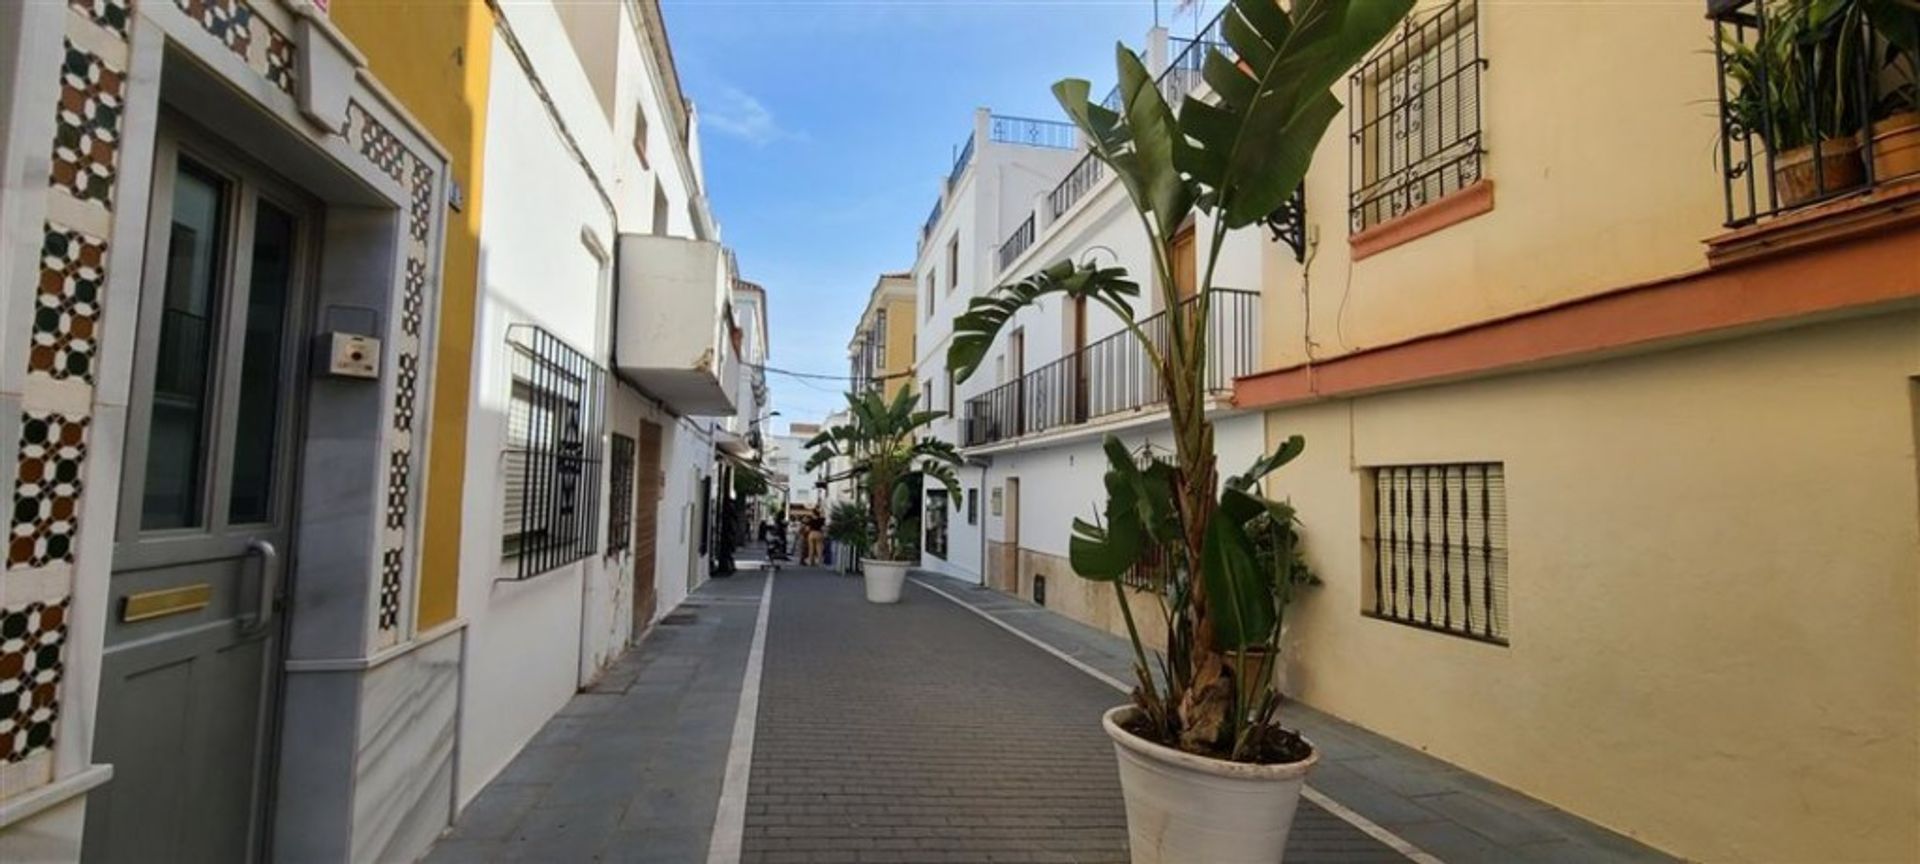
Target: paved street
x=926, y=732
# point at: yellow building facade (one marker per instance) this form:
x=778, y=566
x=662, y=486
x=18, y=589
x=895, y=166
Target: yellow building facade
x=882, y=349
x=1613, y=504
x=436, y=58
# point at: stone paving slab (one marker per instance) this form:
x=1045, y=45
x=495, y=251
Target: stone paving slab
x=920, y=732
x=1454, y=815
x=630, y=770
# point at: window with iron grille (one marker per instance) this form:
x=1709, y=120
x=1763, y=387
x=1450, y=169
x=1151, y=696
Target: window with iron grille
x=552, y=457
x=620, y=494
x=1414, y=120
x=1437, y=540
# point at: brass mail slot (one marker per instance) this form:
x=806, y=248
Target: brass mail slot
x=169, y=601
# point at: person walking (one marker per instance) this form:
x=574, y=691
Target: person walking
x=817, y=538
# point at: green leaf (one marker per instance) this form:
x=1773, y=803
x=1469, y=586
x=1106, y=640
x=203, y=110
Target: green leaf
x=1288, y=451
x=975, y=329
x=1239, y=590
x=1252, y=145
x=1156, y=138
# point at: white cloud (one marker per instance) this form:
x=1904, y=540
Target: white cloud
x=735, y=113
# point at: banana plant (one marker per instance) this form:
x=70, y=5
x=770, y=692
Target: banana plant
x=1235, y=155
x=881, y=443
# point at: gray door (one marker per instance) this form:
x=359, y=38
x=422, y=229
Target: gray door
x=187, y=684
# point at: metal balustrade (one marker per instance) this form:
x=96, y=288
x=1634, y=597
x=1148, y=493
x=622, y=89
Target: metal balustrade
x=1808, y=99
x=960, y=160
x=1115, y=374
x=1081, y=179
x=1018, y=242
x=1031, y=132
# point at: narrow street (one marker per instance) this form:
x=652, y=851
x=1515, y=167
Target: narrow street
x=930, y=731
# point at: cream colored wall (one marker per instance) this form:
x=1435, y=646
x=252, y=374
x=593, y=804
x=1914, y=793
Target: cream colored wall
x=1714, y=613
x=1598, y=119
x=902, y=320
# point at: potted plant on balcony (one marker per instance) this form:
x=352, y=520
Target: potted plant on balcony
x=1794, y=88
x=878, y=441
x=1207, y=771
x=1896, y=124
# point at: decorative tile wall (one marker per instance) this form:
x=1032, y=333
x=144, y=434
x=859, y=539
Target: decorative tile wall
x=390, y=156
x=248, y=35
x=56, y=396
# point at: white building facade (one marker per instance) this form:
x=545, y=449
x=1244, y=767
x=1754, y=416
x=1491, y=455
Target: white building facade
x=607, y=359
x=1061, y=377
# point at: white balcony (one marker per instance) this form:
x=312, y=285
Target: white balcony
x=671, y=335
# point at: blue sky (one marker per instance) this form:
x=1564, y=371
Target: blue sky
x=827, y=125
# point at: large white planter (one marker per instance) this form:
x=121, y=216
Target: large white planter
x=1183, y=808
x=884, y=579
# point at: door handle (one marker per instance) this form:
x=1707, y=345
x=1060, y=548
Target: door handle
x=269, y=584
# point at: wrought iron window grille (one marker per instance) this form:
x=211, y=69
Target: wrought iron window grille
x=552, y=459
x=1437, y=539
x=1414, y=119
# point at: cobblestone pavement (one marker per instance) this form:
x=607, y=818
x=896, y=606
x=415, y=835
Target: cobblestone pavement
x=922, y=733
x=928, y=732
x=1453, y=815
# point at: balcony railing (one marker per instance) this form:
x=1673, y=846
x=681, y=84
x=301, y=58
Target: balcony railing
x=1082, y=178
x=1021, y=238
x=1030, y=132
x=932, y=220
x=1815, y=103
x=960, y=160
x=1115, y=374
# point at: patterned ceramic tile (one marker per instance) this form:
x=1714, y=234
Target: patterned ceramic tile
x=280, y=60
x=390, y=567
x=111, y=14
x=46, y=496
x=230, y=21
x=87, y=126
x=407, y=381
x=420, y=214
x=383, y=149
x=398, y=464
x=241, y=29
x=67, y=306
x=30, y=670
x=413, y=296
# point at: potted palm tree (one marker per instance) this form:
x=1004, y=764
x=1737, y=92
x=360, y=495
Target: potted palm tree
x=879, y=440
x=1207, y=771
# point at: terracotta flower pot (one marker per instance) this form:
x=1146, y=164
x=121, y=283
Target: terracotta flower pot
x=1797, y=181
x=1896, y=146
x=1184, y=809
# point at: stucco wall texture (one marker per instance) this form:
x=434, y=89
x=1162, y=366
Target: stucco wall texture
x=1714, y=612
